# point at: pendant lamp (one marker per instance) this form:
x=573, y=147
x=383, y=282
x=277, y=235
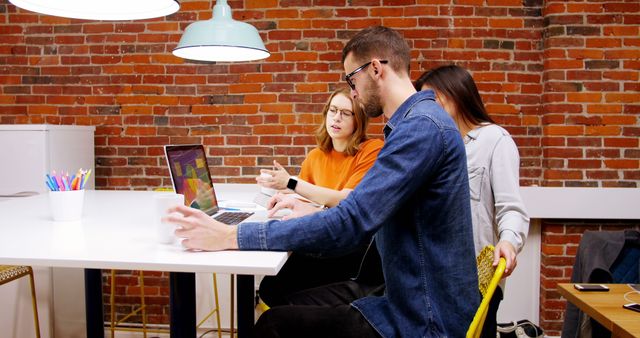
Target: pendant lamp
x=101, y=9
x=221, y=39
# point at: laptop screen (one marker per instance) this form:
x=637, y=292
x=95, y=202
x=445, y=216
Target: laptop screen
x=190, y=176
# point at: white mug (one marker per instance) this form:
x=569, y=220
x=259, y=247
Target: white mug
x=161, y=203
x=264, y=190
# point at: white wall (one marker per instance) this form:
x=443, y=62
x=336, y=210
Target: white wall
x=522, y=295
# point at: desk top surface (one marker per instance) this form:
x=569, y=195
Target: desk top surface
x=606, y=307
x=117, y=231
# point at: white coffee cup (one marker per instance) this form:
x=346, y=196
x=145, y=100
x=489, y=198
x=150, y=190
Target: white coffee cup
x=66, y=205
x=161, y=203
x=264, y=190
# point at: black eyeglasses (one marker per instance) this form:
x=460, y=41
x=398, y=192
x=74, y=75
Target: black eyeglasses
x=355, y=71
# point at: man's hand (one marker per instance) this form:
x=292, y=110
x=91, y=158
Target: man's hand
x=278, y=180
x=286, y=201
x=201, y=232
x=506, y=250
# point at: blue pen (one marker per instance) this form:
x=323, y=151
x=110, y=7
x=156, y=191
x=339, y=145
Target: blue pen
x=54, y=183
x=49, y=185
x=65, y=181
x=230, y=209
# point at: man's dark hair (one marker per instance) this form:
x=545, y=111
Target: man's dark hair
x=382, y=43
x=457, y=85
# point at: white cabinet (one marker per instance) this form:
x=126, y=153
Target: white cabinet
x=27, y=153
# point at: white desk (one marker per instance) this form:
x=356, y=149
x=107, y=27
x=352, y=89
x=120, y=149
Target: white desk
x=117, y=232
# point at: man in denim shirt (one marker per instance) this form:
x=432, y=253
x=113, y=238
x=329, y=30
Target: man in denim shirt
x=414, y=200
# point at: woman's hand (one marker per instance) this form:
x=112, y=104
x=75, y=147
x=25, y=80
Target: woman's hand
x=278, y=178
x=285, y=201
x=506, y=250
x=200, y=231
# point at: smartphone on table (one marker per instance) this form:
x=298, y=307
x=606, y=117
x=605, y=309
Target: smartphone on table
x=632, y=307
x=591, y=287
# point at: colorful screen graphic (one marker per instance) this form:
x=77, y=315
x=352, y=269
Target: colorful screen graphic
x=191, y=178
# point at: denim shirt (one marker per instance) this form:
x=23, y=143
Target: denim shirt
x=415, y=201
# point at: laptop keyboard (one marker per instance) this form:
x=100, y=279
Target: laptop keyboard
x=232, y=218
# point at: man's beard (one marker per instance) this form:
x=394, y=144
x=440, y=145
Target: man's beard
x=371, y=104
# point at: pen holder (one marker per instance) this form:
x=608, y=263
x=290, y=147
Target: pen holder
x=66, y=205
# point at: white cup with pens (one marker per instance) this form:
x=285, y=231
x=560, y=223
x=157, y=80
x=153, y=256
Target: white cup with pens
x=66, y=194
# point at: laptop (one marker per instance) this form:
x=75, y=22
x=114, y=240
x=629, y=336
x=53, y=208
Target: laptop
x=191, y=177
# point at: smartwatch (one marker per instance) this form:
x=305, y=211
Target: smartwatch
x=293, y=182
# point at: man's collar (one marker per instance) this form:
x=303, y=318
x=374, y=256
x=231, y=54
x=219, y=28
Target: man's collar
x=405, y=107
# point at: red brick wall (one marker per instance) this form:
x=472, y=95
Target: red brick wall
x=561, y=76
x=591, y=98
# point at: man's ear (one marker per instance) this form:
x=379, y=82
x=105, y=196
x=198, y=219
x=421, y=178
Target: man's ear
x=375, y=65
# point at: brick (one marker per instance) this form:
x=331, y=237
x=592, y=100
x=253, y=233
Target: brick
x=621, y=97
x=583, y=30
x=584, y=142
x=602, y=86
x=584, y=75
x=604, y=19
x=563, y=86
x=602, y=130
x=563, y=130
x=564, y=64
x=619, y=120
x=621, y=142
x=584, y=8
x=585, y=54
x=622, y=54
x=563, y=152
x=600, y=153
x=584, y=164
x=622, y=164
x=261, y=4
x=584, y=97
x=602, y=64
x=621, y=31
x=400, y=22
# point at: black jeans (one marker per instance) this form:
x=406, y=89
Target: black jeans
x=319, y=312
x=302, y=272
x=490, y=326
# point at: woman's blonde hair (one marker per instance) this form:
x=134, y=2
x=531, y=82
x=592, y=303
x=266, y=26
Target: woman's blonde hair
x=360, y=122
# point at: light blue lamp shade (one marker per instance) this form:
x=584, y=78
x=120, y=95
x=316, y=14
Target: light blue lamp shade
x=221, y=39
x=101, y=9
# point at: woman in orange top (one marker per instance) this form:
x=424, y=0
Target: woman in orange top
x=343, y=156
x=330, y=172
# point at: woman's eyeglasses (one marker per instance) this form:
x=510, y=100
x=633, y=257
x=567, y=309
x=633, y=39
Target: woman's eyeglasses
x=344, y=113
x=355, y=71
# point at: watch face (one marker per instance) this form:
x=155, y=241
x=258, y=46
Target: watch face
x=292, y=183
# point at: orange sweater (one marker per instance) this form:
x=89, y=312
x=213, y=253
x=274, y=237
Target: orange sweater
x=337, y=170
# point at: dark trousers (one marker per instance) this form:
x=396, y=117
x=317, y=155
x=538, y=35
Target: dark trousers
x=319, y=312
x=489, y=328
x=302, y=272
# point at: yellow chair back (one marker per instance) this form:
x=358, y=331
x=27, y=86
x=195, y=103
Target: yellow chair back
x=488, y=280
